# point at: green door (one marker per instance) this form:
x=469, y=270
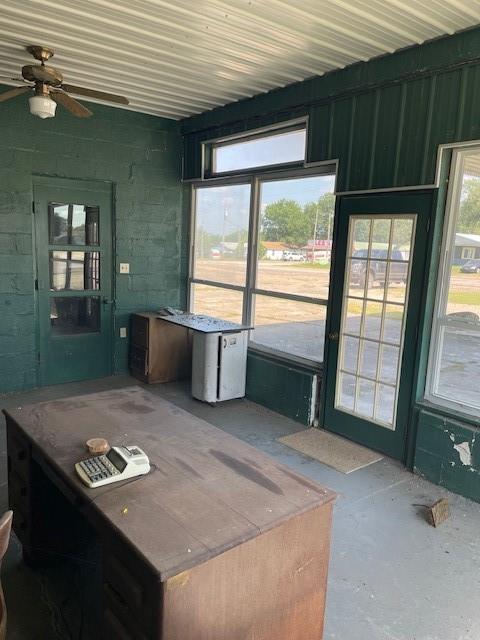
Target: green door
x=380, y=248
x=73, y=235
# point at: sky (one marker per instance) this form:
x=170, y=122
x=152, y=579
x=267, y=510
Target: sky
x=226, y=209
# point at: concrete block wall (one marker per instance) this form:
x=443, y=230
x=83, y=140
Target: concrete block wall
x=140, y=156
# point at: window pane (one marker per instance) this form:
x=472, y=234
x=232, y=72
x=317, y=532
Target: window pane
x=296, y=328
x=259, y=152
x=73, y=224
x=459, y=367
x=74, y=315
x=455, y=356
x=221, y=233
x=217, y=302
x=77, y=270
x=295, y=241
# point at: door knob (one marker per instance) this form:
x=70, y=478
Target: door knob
x=107, y=301
x=333, y=336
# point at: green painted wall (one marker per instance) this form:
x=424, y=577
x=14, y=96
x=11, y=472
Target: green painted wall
x=383, y=119
x=448, y=452
x=293, y=385
x=141, y=156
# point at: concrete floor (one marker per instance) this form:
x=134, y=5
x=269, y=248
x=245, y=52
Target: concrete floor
x=392, y=576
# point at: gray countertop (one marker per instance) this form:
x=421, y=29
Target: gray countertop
x=205, y=324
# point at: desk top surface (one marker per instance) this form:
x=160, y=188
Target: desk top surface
x=204, y=324
x=207, y=491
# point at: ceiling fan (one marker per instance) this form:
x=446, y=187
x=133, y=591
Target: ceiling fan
x=50, y=89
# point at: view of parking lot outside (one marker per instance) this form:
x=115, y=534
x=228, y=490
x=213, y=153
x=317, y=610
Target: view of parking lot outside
x=457, y=358
x=294, y=247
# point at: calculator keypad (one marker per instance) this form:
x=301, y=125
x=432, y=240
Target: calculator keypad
x=99, y=468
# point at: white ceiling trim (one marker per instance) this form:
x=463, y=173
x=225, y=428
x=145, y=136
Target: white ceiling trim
x=177, y=58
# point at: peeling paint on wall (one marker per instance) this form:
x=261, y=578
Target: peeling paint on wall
x=464, y=452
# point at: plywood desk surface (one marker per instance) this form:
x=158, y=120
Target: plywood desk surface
x=207, y=492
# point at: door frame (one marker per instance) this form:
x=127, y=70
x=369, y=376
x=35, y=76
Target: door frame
x=107, y=188
x=422, y=202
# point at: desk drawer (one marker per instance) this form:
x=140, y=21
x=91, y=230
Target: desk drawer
x=139, y=331
x=18, y=492
x=139, y=360
x=22, y=527
x=115, y=628
x=18, y=450
x=128, y=591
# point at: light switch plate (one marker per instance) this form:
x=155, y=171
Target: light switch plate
x=124, y=267
x=123, y=332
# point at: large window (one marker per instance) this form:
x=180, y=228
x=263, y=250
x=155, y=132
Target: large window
x=454, y=364
x=261, y=254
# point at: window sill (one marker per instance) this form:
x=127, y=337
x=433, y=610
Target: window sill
x=285, y=359
x=450, y=413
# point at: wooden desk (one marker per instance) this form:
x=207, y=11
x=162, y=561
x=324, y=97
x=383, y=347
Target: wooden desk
x=219, y=542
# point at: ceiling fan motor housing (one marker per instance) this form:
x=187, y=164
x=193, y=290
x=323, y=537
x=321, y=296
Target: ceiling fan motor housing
x=42, y=73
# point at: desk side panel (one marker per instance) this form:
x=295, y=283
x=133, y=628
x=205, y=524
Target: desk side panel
x=270, y=588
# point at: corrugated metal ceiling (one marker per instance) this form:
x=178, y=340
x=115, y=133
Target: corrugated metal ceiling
x=176, y=58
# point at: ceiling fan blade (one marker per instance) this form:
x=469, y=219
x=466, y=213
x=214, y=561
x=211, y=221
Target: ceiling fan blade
x=71, y=104
x=11, y=93
x=92, y=93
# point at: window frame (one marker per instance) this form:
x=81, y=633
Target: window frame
x=255, y=179
x=440, y=321
x=209, y=147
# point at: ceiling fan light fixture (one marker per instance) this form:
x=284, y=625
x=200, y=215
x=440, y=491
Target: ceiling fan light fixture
x=42, y=106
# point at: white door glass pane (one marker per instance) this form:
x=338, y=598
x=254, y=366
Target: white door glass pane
x=401, y=240
x=215, y=301
x=347, y=387
x=385, y=405
x=389, y=364
x=266, y=150
x=393, y=323
x=365, y=398
x=380, y=325
x=350, y=354
x=221, y=233
x=361, y=238
x=296, y=328
x=368, y=359
x=353, y=316
x=381, y=237
x=372, y=320
x=295, y=235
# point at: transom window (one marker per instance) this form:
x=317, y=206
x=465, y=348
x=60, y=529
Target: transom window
x=454, y=363
x=265, y=149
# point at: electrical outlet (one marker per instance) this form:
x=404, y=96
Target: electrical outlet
x=124, y=267
x=123, y=332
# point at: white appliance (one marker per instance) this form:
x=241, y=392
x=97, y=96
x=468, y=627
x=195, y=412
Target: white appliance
x=219, y=356
x=219, y=366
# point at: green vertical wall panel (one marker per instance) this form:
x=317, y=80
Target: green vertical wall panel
x=470, y=104
x=443, y=122
x=390, y=111
x=363, y=139
x=409, y=152
x=343, y=113
x=319, y=133
x=140, y=156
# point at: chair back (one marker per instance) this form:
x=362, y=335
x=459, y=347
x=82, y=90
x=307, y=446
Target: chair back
x=5, y=527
